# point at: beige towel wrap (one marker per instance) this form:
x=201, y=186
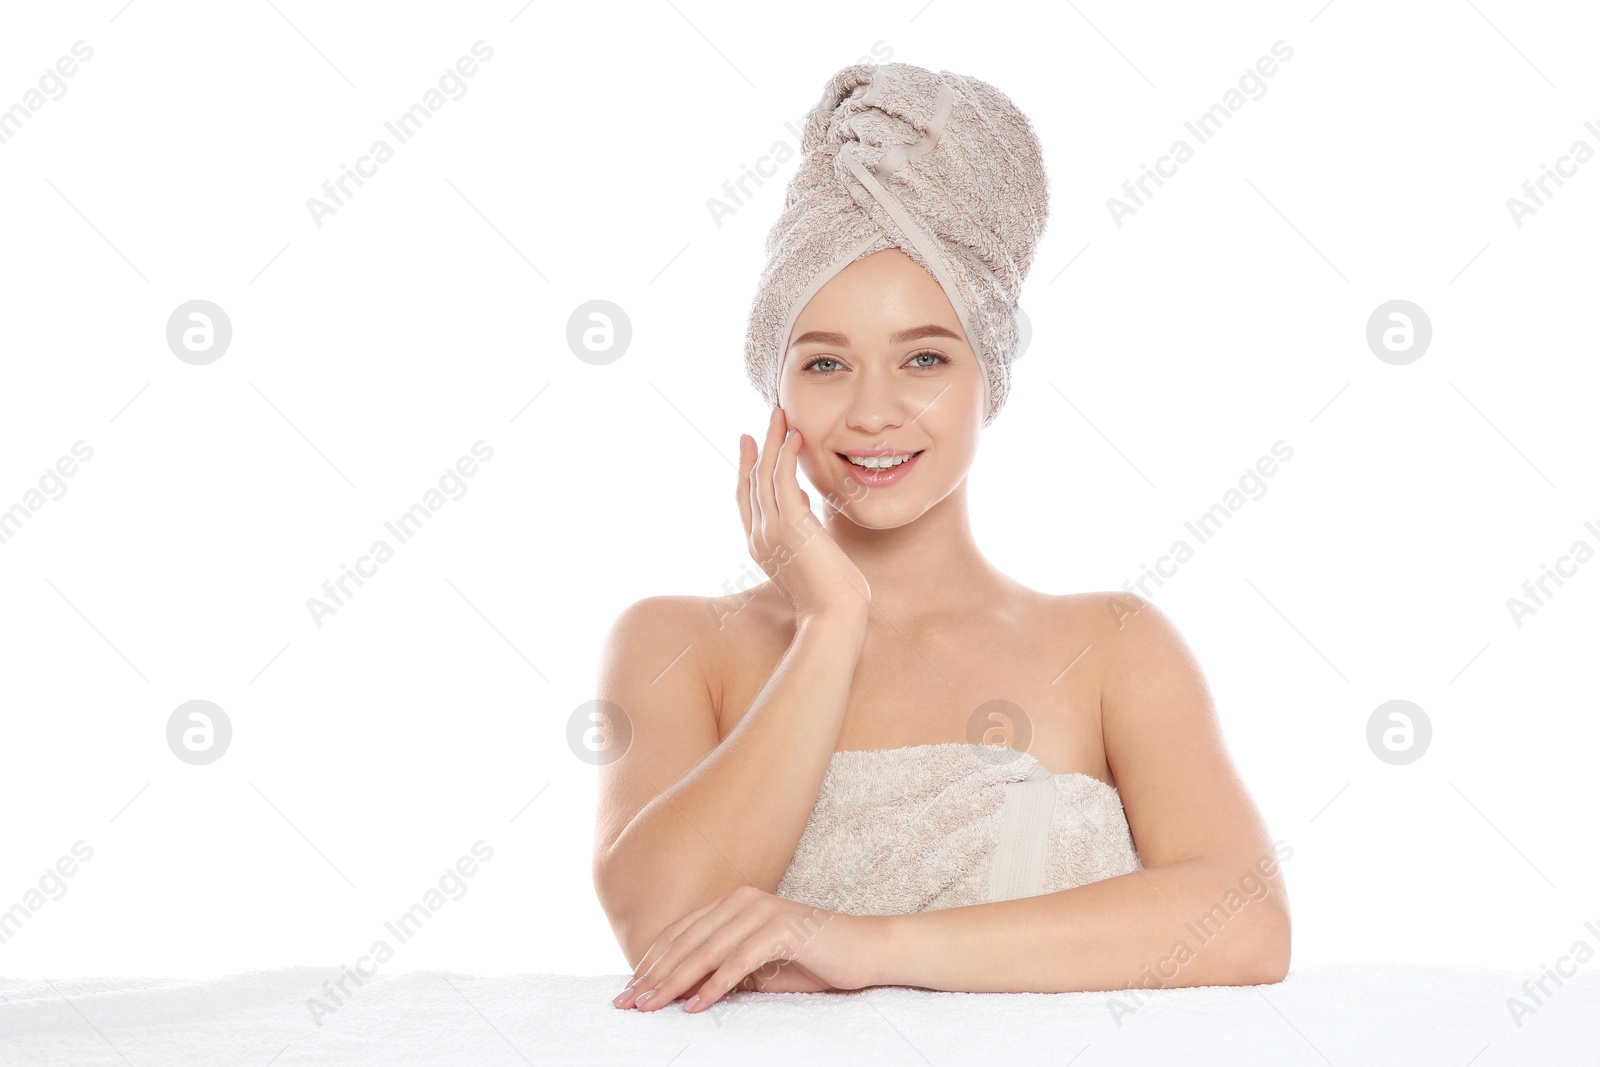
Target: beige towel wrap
x=902, y=830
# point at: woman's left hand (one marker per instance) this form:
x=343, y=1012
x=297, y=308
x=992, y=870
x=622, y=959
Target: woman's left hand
x=715, y=947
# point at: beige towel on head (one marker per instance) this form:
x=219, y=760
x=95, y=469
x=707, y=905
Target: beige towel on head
x=942, y=166
x=902, y=830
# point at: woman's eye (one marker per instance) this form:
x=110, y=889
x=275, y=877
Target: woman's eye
x=813, y=364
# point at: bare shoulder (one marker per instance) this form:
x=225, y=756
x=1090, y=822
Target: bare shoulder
x=1120, y=629
x=1079, y=606
x=655, y=618
x=1127, y=651
x=707, y=635
x=677, y=627
x=656, y=703
x=1105, y=624
x=1164, y=739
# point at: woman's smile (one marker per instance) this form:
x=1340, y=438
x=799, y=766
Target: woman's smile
x=882, y=476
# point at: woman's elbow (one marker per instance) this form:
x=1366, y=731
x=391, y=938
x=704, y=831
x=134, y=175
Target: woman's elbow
x=1267, y=962
x=637, y=918
x=619, y=914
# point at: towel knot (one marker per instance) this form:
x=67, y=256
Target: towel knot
x=879, y=133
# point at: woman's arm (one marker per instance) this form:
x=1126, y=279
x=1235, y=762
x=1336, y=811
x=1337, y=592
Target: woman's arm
x=683, y=819
x=1204, y=921
x=1210, y=906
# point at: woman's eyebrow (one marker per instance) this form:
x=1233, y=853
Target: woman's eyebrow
x=915, y=333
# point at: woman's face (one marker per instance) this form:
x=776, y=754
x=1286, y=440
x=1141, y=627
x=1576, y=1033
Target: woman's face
x=862, y=376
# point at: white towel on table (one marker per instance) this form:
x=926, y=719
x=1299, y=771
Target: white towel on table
x=1348, y=1015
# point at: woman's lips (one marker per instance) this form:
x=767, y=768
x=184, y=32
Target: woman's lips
x=877, y=479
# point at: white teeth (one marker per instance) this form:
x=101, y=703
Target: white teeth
x=879, y=462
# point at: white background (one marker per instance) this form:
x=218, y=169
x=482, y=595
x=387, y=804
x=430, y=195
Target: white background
x=430, y=312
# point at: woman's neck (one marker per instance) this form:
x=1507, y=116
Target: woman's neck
x=928, y=568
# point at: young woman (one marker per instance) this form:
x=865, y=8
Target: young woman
x=867, y=669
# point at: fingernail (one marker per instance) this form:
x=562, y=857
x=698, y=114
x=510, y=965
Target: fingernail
x=692, y=1002
x=646, y=997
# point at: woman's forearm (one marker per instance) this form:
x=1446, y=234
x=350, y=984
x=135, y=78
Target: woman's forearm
x=1190, y=923
x=735, y=818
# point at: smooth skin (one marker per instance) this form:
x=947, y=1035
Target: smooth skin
x=865, y=569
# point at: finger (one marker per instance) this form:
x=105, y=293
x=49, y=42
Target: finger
x=707, y=939
x=767, y=487
x=745, y=958
x=741, y=491
x=758, y=541
x=640, y=979
x=706, y=945
x=772, y=976
x=769, y=461
x=792, y=503
x=663, y=941
x=696, y=987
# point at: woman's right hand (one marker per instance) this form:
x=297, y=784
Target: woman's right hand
x=785, y=538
